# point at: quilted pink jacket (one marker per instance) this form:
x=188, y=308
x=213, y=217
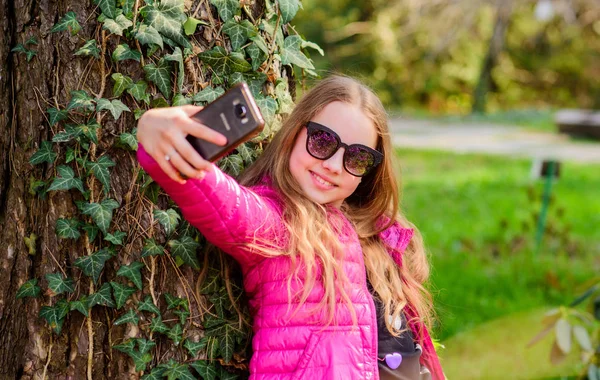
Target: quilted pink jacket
x=287, y=345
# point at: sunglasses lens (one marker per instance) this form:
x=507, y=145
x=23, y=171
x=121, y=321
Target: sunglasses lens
x=358, y=161
x=321, y=144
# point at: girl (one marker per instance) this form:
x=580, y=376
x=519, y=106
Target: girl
x=333, y=271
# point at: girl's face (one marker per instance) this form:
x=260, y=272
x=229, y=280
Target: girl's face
x=326, y=181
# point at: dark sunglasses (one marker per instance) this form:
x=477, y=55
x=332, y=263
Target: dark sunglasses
x=322, y=143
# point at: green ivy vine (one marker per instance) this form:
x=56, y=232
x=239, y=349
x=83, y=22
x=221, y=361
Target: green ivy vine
x=157, y=55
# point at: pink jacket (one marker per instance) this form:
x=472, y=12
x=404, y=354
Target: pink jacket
x=287, y=345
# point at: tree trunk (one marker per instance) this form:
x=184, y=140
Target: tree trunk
x=503, y=14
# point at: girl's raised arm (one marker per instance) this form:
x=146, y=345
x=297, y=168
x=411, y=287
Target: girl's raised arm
x=230, y=216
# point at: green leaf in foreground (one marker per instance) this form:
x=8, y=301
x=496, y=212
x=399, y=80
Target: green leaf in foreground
x=67, y=228
x=208, y=95
x=116, y=238
x=66, y=181
x=129, y=139
x=81, y=305
x=138, y=91
x=148, y=35
x=206, y=369
x=117, y=25
x=151, y=248
x=167, y=17
x=160, y=75
x=223, y=63
x=239, y=32
x=288, y=9
x=232, y=164
x=132, y=272
x=44, y=154
x=122, y=83
x=93, y=264
x=101, y=213
x=148, y=305
x=129, y=317
x=116, y=107
x=121, y=293
x=191, y=24
x=89, y=48
x=194, y=347
x=108, y=7
x=68, y=22
x=226, y=8
x=102, y=297
x=55, y=315
x=80, y=100
x=169, y=219
x=29, y=289
x=175, y=334
x=56, y=115
x=124, y=52
x=291, y=53
x=157, y=325
x=58, y=284
x=185, y=248
x=175, y=370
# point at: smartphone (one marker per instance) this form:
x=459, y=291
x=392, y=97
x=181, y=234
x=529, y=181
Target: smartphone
x=235, y=115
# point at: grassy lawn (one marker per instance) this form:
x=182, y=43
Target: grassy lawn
x=478, y=217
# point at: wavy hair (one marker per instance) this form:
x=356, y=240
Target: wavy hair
x=314, y=239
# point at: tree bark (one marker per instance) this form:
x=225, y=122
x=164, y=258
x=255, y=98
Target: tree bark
x=503, y=14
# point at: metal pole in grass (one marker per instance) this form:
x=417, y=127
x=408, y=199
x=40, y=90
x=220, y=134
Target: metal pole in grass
x=549, y=170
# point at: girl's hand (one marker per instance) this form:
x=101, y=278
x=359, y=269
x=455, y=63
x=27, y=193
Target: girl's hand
x=162, y=132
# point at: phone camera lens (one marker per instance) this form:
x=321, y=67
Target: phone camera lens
x=240, y=111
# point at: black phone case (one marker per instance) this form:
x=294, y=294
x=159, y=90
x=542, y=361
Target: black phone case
x=221, y=116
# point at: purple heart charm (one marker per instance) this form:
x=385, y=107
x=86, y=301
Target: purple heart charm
x=393, y=360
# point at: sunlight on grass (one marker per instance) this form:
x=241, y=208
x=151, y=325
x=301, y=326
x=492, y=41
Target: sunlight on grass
x=498, y=350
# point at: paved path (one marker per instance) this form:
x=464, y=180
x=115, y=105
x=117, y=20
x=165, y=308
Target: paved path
x=491, y=139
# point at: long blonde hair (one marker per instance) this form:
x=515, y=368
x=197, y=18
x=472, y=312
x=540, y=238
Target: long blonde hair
x=314, y=239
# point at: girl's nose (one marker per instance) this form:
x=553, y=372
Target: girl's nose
x=335, y=163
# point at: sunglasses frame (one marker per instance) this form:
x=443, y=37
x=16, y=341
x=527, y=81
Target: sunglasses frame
x=377, y=155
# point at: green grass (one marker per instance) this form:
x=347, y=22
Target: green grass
x=534, y=119
x=478, y=224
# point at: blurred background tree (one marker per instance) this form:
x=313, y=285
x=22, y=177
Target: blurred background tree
x=436, y=54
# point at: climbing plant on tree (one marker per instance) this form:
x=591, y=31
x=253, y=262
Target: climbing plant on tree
x=120, y=283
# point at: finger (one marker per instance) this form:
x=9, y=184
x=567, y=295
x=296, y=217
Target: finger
x=169, y=170
x=184, y=168
x=190, y=110
x=189, y=154
x=205, y=133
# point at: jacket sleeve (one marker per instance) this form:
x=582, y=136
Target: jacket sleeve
x=229, y=215
x=396, y=238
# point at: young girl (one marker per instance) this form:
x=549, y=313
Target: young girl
x=333, y=271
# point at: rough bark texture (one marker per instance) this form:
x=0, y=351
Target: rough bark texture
x=28, y=348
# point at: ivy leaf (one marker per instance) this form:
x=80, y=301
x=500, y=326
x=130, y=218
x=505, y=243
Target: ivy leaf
x=129, y=139
x=246, y=153
x=123, y=52
x=194, y=347
x=101, y=213
x=129, y=317
x=222, y=63
x=89, y=48
x=256, y=55
x=291, y=53
x=148, y=35
x=273, y=29
x=93, y=264
x=177, y=56
x=160, y=75
x=226, y=375
x=286, y=103
x=268, y=108
x=168, y=219
x=81, y=305
x=121, y=293
x=116, y=107
x=181, y=100
x=55, y=315
x=173, y=301
x=100, y=170
x=102, y=297
x=208, y=95
x=145, y=345
x=80, y=99
x=157, y=325
x=116, y=238
x=232, y=164
x=221, y=302
x=167, y=17
x=226, y=334
x=148, y=305
x=183, y=314
x=92, y=231
x=68, y=22
x=152, y=249
x=108, y=7
x=58, y=284
x=122, y=83
x=140, y=360
x=56, y=115
x=67, y=228
x=66, y=180
x=312, y=45
x=90, y=130
x=288, y=9
x=117, y=25
x=44, y=154
x=177, y=371
x=127, y=6
x=185, y=248
x=71, y=132
x=155, y=374
x=239, y=32
x=205, y=369
x=175, y=334
x=226, y=8
x=29, y=289
x=138, y=91
x=190, y=25
x=126, y=347
x=212, y=283
x=132, y=272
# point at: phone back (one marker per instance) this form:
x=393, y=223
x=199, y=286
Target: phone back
x=235, y=115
